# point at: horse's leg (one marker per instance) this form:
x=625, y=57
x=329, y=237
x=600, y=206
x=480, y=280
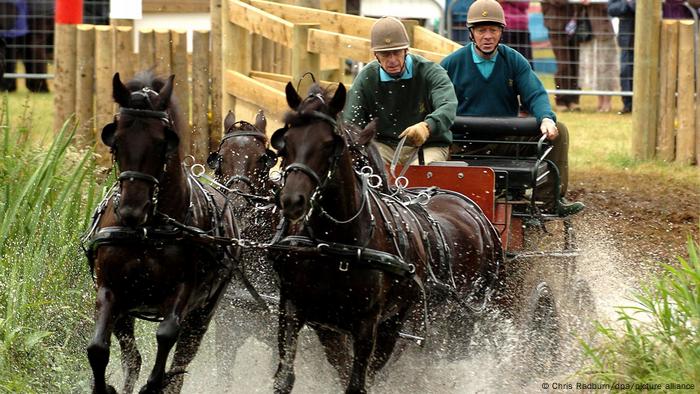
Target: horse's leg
x=193, y=329
x=290, y=322
x=131, y=358
x=166, y=336
x=98, y=350
x=387, y=335
x=337, y=349
x=364, y=340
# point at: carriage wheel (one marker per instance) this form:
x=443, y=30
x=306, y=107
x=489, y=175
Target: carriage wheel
x=541, y=331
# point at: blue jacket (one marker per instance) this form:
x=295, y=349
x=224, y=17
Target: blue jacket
x=624, y=10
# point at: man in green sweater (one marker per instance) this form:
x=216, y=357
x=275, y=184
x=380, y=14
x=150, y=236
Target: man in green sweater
x=488, y=77
x=411, y=97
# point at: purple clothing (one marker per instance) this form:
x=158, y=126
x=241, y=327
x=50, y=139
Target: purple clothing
x=516, y=15
x=674, y=9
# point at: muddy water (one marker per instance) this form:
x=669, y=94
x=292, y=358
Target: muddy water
x=493, y=363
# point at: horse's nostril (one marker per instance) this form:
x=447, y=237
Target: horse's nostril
x=293, y=205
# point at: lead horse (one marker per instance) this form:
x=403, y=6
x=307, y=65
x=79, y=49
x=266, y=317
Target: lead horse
x=150, y=245
x=372, y=254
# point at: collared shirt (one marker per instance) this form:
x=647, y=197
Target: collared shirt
x=407, y=72
x=485, y=66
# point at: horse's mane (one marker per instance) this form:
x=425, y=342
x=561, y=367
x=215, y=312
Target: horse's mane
x=148, y=79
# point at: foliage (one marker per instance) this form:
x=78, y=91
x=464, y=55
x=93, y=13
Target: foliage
x=46, y=195
x=658, y=340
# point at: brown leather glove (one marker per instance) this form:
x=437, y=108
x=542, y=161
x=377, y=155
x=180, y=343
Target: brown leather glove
x=417, y=134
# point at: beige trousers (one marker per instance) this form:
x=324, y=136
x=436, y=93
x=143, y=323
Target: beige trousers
x=431, y=154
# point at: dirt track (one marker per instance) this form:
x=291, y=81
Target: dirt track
x=648, y=218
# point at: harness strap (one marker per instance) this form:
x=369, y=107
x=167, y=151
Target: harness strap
x=364, y=257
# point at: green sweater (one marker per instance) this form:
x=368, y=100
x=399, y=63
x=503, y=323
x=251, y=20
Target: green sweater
x=428, y=96
x=496, y=95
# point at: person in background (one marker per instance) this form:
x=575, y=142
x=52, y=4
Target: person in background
x=488, y=77
x=459, y=8
x=411, y=96
x=517, y=36
x=599, y=64
x=557, y=14
x=676, y=9
x=624, y=11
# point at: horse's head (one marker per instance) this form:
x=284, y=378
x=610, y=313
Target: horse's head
x=243, y=157
x=310, y=146
x=143, y=141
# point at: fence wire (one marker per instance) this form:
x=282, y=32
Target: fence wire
x=27, y=28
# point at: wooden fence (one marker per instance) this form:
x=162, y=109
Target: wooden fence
x=100, y=51
x=254, y=48
x=678, y=131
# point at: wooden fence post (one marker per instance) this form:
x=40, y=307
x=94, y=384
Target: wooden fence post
x=304, y=61
x=685, y=139
x=64, y=80
x=646, y=78
x=104, y=71
x=147, y=49
x=85, y=85
x=124, y=52
x=268, y=55
x=666, y=140
x=162, y=53
x=200, y=91
x=68, y=13
x=216, y=72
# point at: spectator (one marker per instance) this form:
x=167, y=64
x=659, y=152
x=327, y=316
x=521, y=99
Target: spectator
x=557, y=13
x=624, y=10
x=488, y=77
x=517, y=35
x=599, y=63
x=676, y=9
x=458, y=30
x=13, y=27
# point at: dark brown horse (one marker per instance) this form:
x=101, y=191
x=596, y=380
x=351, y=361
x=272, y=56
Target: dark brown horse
x=150, y=243
x=374, y=254
x=242, y=165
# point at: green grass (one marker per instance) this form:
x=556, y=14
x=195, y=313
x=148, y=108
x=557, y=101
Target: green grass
x=658, y=341
x=47, y=191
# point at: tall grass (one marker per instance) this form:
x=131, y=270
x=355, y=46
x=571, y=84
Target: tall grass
x=46, y=195
x=658, y=341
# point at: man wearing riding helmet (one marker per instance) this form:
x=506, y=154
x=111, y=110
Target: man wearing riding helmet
x=489, y=77
x=411, y=96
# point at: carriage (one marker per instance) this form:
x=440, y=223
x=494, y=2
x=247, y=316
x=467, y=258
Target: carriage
x=365, y=275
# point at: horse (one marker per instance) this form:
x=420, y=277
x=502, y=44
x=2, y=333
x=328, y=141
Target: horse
x=355, y=261
x=151, y=246
x=242, y=164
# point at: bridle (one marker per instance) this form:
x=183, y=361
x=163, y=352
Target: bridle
x=131, y=175
x=321, y=183
x=236, y=130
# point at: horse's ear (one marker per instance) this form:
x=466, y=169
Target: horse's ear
x=293, y=98
x=120, y=93
x=229, y=121
x=261, y=121
x=108, y=134
x=338, y=100
x=165, y=93
x=368, y=133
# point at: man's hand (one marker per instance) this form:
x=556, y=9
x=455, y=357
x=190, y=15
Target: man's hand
x=417, y=134
x=549, y=128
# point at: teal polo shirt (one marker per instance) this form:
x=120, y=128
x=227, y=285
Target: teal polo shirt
x=485, y=66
